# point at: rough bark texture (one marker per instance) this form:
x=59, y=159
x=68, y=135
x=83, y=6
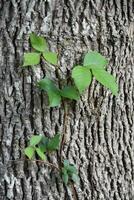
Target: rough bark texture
x=100, y=127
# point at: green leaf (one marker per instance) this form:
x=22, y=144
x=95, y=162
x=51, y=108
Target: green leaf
x=63, y=170
x=40, y=154
x=94, y=60
x=38, y=42
x=53, y=93
x=70, y=92
x=47, y=85
x=69, y=167
x=31, y=59
x=51, y=57
x=35, y=139
x=53, y=143
x=29, y=152
x=72, y=169
x=65, y=176
x=106, y=79
x=66, y=164
x=43, y=144
x=54, y=99
x=75, y=178
x=82, y=77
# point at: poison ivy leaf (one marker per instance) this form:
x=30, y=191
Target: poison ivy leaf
x=63, y=170
x=40, y=154
x=38, y=42
x=75, y=178
x=70, y=92
x=29, y=152
x=65, y=176
x=106, y=79
x=53, y=143
x=54, y=99
x=51, y=57
x=31, y=59
x=53, y=93
x=47, y=85
x=66, y=164
x=82, y=77
x=72, y=169
x=94, y=60
x=35, y=139
x=43, y=144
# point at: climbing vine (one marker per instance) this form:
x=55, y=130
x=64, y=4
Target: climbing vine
x=94, y=65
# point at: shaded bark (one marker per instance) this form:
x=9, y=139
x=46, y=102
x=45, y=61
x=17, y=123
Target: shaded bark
x=100, y=127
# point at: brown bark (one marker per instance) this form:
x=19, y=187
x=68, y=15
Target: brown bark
x=100, y=127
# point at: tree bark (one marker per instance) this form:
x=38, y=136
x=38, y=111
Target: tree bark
x=99, y=127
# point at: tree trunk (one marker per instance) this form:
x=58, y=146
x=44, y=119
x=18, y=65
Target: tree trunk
x=99, y=127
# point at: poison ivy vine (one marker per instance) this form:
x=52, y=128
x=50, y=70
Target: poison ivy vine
x=94, y=65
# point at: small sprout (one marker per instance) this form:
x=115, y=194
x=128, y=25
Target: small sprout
x=41, y=144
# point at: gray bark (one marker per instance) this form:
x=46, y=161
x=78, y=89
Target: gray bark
x=100, y=127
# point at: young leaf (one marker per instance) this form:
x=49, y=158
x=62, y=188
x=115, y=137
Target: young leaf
x=51, y=57
x=53, y=93
x=31, y=59
x=75, y=178
x=82, y=77
x=106, y=79
x=65, y=176
x=38, y=42
x=70, y=92
x=35, y=139
x=94, y=60
x=29, y=152
x=40, y=154
x=53, y=143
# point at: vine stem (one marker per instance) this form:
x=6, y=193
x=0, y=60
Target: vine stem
x=41, y=161
x=65, y=120
x=65, y=107
x=74, y=192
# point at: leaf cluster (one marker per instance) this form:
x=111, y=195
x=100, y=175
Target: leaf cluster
x=40, y=47
x=94, y=65
x=55, y=94
x=41, y=145
x=69, y=173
